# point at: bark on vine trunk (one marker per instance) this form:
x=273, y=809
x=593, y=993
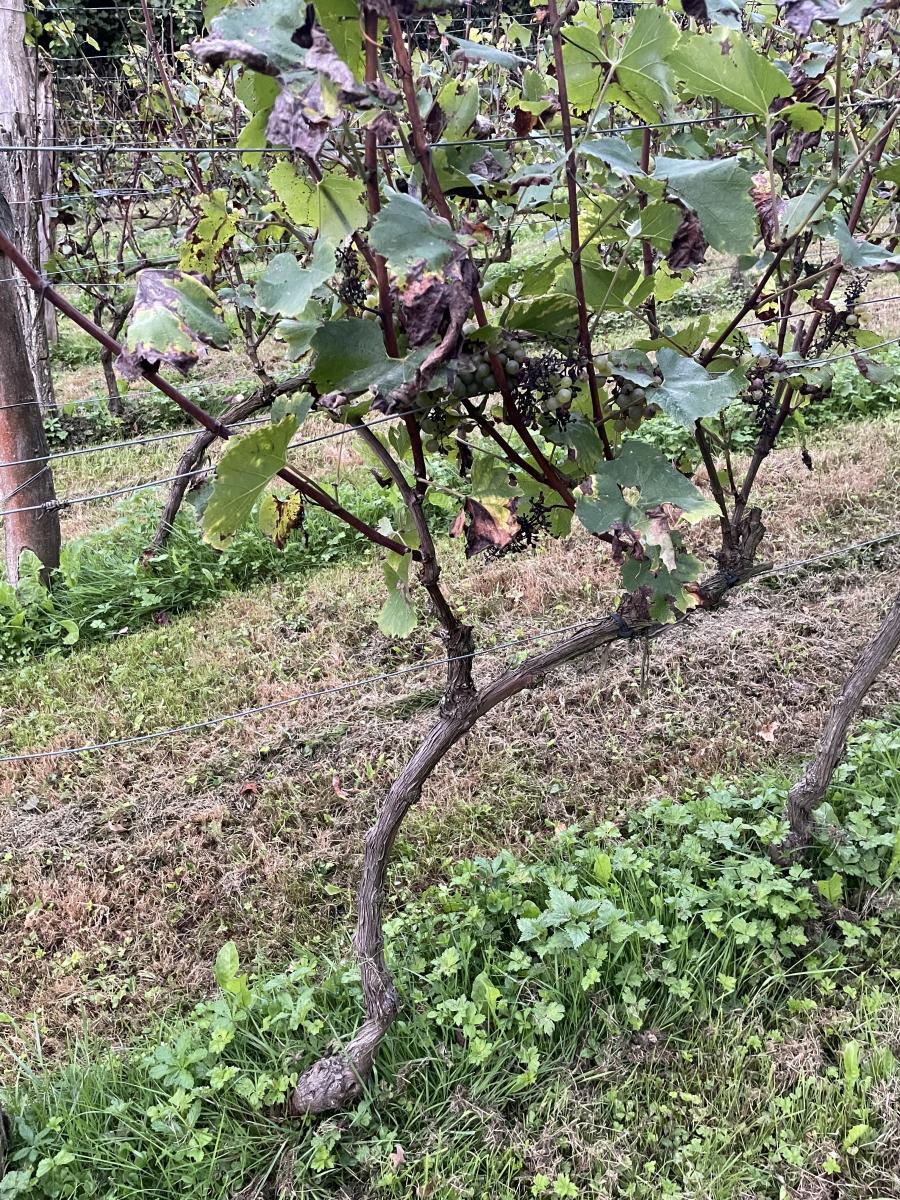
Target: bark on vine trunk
x=22, y=437
x=26, y=176
x=809, y=791
x=335, y=1081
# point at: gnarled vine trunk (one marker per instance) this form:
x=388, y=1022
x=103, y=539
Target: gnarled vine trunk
x=809, y=791
x=335, y=1081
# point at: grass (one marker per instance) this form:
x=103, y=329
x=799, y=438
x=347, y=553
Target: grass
x=126, y=871
x=646, y=1009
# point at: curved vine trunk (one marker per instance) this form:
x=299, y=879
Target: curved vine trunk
x=809, y=792
x=335, y=1081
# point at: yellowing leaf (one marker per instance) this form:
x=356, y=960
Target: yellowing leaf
x=244, y=470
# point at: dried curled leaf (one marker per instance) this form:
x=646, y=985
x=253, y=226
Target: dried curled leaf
x=491, y=525
x=688, y=244
x=173, y=320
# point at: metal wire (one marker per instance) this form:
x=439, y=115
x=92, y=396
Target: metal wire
x=411, y=668
x=53, y=505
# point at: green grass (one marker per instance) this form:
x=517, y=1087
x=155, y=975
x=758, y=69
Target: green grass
x=643, y=1011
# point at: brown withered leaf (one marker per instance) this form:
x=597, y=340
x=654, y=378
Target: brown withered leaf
x=487, y=528
x=688, y=245
x=523, y=122
x=298, y=122
x=800, y=143
x=279, y=518
x=799, y=14
x=768, y=207
x=432, y=305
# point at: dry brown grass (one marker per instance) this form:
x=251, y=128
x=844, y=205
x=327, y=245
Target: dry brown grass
x=127, y=870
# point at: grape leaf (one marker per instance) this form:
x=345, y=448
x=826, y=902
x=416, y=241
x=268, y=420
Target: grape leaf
x=295, y=194
x=643, y=77
x=481, y=52
x=688, y=391
x=724, y=65
x=243, y=471
x=719, y=193
x=642, y=467
x=405, y=232
x=173, y=319
x=267, y=29
x=341, y=210
x=615, y=153
x=351, y=358
x=285, y=288
x=340, y=20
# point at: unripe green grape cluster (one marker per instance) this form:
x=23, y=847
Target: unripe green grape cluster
x=475, y=373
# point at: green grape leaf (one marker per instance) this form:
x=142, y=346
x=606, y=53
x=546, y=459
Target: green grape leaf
x=267, y=29
x=299, y=199
x=719, y=193
x=256, y=92
x=341, y=210
x=806, y=117
x=583, y=62
x=341, y=21
x=398, y=616
x=285, y=288
x=689, y=392
x=645, y=469
x=723, y=64
x=243, y=472
x=405, y=232
x=298, y=334
x=351, y=358
x=660, y=222
x=862, y=255
x=483, y=52
x=615, y=153
x=643, y=77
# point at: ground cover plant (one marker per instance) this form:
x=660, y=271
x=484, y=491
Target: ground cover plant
x=553, y=1029
x=478, y=252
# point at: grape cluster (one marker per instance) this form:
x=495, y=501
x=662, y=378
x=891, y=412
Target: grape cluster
x=532, y=525
x=546, y=385
x=633, y=401
x=762, y=393
x=352, y=291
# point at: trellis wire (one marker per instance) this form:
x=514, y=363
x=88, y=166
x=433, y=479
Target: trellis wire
x=53, y=505
x=411, y=668
x=162, y=437
x=681, y=123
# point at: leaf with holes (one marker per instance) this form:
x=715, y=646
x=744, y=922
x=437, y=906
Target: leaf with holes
x=651, y=481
